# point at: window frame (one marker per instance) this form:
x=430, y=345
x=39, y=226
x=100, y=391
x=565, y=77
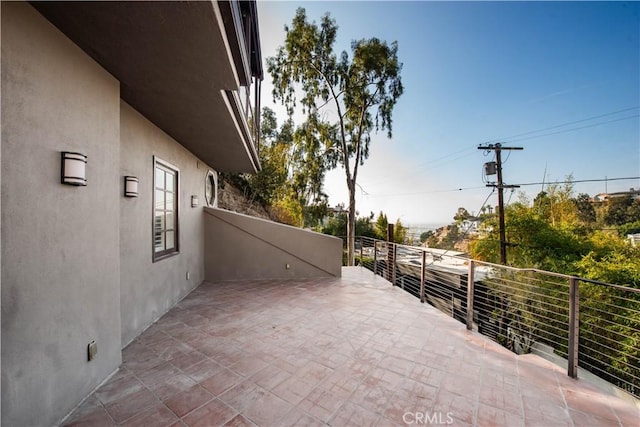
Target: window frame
x=211, y=199
x=167, y=168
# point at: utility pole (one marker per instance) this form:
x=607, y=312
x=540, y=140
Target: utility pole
x=498, y=148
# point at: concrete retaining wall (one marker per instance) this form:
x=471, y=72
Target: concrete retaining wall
x=239, y=247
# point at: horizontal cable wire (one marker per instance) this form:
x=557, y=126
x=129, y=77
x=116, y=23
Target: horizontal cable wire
x=519, y=307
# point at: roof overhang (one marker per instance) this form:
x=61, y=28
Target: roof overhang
x=176, y=66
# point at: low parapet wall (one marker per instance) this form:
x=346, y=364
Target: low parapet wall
x=240, y=247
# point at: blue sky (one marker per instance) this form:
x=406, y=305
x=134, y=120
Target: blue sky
x=477, y=72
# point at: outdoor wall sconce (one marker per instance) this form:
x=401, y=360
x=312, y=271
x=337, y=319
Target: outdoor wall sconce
x=130, y=186
x=74, y=168
x=194, y=201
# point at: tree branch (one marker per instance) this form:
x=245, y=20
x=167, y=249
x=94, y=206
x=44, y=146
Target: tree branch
x=365, y=107
x=329, y=100
x=345, y=154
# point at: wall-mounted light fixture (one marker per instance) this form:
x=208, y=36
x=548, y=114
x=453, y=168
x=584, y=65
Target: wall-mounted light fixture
x=130, y=186
x=194, y=201
x=74, y=168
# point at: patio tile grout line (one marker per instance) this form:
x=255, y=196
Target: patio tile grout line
x=398, y=334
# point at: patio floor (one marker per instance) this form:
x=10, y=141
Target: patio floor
x=353, y=351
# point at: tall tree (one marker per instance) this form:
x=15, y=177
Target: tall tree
x=381, y=225
x=461, y=215
x=585, y=210
x=267, y=185
x=290, y=181
x=400, y=233
x=622, y=210
x=363, y=91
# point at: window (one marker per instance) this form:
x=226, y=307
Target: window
x=165, y=209
x=211, y=189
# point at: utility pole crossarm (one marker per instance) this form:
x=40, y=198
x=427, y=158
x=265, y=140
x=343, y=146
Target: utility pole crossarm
x=498, y=148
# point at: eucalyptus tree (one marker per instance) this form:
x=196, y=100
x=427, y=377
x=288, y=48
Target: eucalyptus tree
x=343, y=99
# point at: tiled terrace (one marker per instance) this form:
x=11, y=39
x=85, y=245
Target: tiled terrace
x=353, y=351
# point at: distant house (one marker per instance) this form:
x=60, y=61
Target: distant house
x=604, y=197
x=470, y=225
x=116, y=119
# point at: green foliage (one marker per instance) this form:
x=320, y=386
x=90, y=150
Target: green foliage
x=629, y=228
x=425, y=236
x=461, y=215
x=268, y=185
x=381, y=226
x=290, y=181
x=548, y=235
x=610, y=318
x=364, y=226
x=400, y=233
x=336, y=225
x=556, y=233
x=622, y=210
x=612, y=260
x=451, y=238
x=585, y=210
x=362, y=91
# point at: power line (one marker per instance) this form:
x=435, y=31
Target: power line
x=565, y=124
x=427, y=192
x=577, y=181
x=421, y=166
x=447, y=157
x=465, y=232
x=574, y=129
x=582, y=180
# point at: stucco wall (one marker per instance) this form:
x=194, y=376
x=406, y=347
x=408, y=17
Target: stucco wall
x=243, y=247
x=60, y=257
x=149, y=289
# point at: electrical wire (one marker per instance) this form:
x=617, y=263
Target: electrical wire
x=466, y=231
x=510, y=139
x=573, y=129
x=581, y=181
x=426, y=192
x=577, y=181
x=421, y=166
x=564, y=124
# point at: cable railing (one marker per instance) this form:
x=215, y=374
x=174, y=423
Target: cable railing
x=572, y=321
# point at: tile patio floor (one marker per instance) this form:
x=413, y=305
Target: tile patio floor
x=353, y=351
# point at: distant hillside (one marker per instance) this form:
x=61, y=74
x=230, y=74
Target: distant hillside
x=449, y=237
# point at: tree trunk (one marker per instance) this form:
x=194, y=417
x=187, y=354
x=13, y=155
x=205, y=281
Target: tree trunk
x=351, y=226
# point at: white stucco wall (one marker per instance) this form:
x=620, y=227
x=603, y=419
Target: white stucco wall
x=60, y=256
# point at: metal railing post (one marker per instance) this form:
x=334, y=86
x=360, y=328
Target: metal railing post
x=423, y=266
x=390, y=252
x=574, y=327
x=470, y=288
x=361, y=245
x=393, y=264
x=375, y=256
